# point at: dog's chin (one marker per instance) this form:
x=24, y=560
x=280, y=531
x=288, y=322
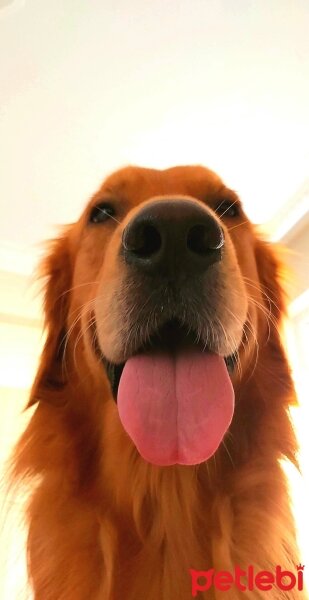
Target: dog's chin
x=171, y=338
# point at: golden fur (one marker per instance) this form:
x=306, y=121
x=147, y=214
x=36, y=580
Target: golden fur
x=103, y=523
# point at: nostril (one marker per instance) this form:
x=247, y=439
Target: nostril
x=143, y=240
x=201, y=239
x=150, y=242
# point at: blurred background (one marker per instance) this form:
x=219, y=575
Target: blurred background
x=87, y=87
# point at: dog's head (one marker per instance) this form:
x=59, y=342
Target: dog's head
x=159, y=294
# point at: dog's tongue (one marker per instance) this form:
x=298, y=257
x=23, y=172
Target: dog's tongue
x=176, y=407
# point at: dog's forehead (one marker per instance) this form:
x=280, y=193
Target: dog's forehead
x=137, y=183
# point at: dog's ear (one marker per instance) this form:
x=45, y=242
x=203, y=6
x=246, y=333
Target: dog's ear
x=56, y=270
x=275, y=374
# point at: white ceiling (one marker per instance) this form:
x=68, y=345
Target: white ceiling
x=86, y=87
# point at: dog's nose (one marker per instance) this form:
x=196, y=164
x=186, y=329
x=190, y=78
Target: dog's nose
x=172, y=237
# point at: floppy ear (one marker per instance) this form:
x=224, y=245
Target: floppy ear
x=276, y=373
x=56, y=270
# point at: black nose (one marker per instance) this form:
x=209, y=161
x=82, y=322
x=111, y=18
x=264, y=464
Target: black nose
x=170, y=237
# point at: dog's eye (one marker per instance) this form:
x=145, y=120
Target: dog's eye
x=228, y=208
x=101, y=213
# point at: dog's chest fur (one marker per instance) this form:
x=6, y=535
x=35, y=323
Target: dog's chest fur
x=155, y=547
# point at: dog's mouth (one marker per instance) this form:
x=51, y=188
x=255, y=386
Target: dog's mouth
x=175, y=397
x=170, y=337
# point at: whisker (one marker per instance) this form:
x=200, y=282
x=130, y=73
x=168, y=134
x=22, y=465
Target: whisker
x=222, y=202
x=87, y=305
x=228, y=208
x=259, y=289
x=228, y=453
x=239, y=224
x=80, y=335
x=105, y=211
x=75, y=287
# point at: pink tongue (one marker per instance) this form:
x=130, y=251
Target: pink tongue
x=177, y=408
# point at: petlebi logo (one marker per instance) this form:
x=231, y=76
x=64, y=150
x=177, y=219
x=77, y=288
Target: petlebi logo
x=247, y=580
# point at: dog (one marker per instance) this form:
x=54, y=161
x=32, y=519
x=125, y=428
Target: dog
x=154, y=450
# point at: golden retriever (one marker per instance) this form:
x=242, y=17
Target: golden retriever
x=162, y=402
